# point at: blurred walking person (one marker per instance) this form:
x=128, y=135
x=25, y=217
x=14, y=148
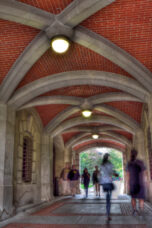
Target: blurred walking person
x=65, y=183
x=95, y=180
x=106, y=173
x=86, y=180
x=136, y=181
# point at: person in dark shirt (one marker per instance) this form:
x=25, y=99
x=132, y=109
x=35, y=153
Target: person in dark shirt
x=86, y=180
x=74, y=176
x=95, y=179
x=136, y=181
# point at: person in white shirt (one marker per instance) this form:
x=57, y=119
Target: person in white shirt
x=106, y=173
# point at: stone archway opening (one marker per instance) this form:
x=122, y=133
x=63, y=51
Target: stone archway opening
x=93, y=156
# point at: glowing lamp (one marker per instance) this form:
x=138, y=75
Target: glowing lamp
x=86, y=113
x=60, y=44
x=95, y=136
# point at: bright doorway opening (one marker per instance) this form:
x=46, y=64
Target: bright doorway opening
x=92, y=157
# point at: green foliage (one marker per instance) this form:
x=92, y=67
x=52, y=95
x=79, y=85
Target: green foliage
x=82, y=186
x=90, y=158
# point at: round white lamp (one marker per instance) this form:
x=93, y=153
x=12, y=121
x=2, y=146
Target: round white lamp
x=86, y=113
x=95, y=136
x=60, y=44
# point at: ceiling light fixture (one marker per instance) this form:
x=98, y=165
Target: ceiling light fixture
x=95, y=136
x=86, y=113
x=60, y=44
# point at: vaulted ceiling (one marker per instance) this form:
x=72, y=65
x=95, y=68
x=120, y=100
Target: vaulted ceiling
x=107, y=68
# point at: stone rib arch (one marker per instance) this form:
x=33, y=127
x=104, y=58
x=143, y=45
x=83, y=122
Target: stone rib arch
x=92, y=129
x=44, y=21
x=100, y=78
x=95, y=145
x=45, y=100
x=104, y=139
x=118, y=115
x=114, y=96
x=74, y=139
x=79, y=10
x=25, y=14
x=95, y=119
x=103, y=108
x=60, y=117
x=98, y=99
x=115, y=54
x=29, y=56
x=76, y=12
x=116, y=136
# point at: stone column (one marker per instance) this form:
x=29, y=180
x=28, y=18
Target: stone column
x=139, y=144
x=67, y=155
x=150, y=114
x=51, y=167
x=73, y=156
x=59, y=154
x=125, y=160
x=7, y=129
x=46, y=168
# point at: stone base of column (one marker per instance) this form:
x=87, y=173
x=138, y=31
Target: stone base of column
x=6, y=210
x=46, y=196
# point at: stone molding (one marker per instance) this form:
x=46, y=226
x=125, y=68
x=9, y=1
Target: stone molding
x=103, y=138
x=95, y=119
x=56, y=121
x=99, y=78
x=76, y=139
x=93, y=100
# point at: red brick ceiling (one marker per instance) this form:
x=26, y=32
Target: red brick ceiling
x=78, y=58
x=126, y=23
x=48, y=112
x=67, y=136
x=52, y=6
x=13, y=40
x=132, y=109
x=126, y=134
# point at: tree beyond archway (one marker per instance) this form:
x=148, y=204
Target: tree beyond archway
x=92, y=157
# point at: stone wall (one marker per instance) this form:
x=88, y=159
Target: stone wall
x=148, y=150
x=27, y=124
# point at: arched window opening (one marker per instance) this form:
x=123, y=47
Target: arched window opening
x=27, y=159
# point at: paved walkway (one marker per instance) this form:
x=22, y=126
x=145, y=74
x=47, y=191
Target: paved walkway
x=79, y=212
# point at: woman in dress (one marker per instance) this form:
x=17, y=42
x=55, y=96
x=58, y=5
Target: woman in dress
x=95, y=179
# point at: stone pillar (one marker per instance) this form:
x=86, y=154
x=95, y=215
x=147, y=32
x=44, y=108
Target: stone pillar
x=59, y=154
x=73, y=156
x=7, y=129
x=51, y=167
x=149, y=149
x=150, y=114
x=125, y=160
x=46, y=168
x=67, y=155
x=139, y=144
